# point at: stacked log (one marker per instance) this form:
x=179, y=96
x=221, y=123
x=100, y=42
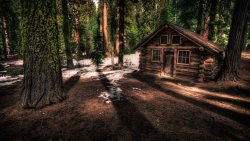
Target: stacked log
x=201, y=69
x=210, y=68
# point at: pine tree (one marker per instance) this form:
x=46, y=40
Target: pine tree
x=231, y=66
x=66, y=34
x=75, y=4
x=121, y=5
x=213, y=20
x=105, y=28
x=5, y=12
x=42, y=84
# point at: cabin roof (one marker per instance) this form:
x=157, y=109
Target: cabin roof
x=196, y=38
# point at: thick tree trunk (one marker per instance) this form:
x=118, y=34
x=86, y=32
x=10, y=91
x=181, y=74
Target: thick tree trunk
x=105, y=29
x=231, y=66
x=206, y=18
x=66, y=34
x=42, y=84
x=5, y=38
x=121, y=32
x=213, y=20
x=77, y=34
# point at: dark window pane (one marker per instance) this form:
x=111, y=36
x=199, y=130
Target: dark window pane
x=164, y=39
x=184, y=57
x=156, y=55
x=176, y=40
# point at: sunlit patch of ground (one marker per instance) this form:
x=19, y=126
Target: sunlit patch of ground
x=150, y=109
x=246, y=54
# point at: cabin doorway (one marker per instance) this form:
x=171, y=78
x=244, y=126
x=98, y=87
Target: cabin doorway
x=168, y=63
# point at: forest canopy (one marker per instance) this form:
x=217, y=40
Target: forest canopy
x=140, y=19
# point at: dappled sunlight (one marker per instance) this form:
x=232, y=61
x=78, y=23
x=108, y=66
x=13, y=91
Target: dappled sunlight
x=245, y=55
x=201, y=95
x=95, y=107
x=143, y=95
x=15, y=62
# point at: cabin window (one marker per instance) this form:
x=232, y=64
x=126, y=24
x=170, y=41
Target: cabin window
x=164, y=39
x=176, y=39
x=156, y=55
x=183, y=57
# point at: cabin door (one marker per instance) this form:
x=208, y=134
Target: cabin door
x=168, y=63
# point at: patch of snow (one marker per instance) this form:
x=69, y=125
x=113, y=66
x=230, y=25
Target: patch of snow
x=16, y=62
x=114, y=92
x=8, y=80
x=132, y=60
x=138, y=89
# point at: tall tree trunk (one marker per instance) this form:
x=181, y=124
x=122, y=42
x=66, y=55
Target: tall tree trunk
x=121, y=32
x=5, y=38
x=66, y=34
x=77, y=34
x=245, y=30
x=248, y=29
x=125, y=38
x=231, y=66
x=213, y=20
x=206, y=18
x=100, y=15
x=200, y=17
x=87, y=48
x=105, y=28
x=42, y=84
x=117, y=42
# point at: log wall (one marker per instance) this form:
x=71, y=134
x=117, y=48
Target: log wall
x=203, y=66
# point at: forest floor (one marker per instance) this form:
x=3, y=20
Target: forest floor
x=124, y=105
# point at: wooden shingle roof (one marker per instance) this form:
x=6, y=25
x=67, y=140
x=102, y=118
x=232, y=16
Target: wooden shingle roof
x=196, y=38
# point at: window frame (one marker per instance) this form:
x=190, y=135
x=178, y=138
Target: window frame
x=189, y=57
x=152, y=55
x=167, y=39
x=173, y=38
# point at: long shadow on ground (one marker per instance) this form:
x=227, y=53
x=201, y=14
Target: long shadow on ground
x=236, y=116
x=138, y=127
x=71, y=82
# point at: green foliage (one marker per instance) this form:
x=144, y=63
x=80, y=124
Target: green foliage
x=98, y=50
x=141, y=18
x=188, y=13
x=11, y=10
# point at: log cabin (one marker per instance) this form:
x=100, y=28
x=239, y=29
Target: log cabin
x=172, y=51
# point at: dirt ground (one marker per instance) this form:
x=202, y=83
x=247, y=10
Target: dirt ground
x=150, y=109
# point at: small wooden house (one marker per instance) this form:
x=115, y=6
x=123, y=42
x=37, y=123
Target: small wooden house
x=176, y=52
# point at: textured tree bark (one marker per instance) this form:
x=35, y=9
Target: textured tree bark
x=206, y=19
x=77, y=34
x=231, y=66
x=245, y=30
x=5, y=38
x=105, y=29
x=121, y=32
x=42, y=84
x=66, y=34
x=87, y=48
x=213, y=20
x=125, y=38
x=100, y=15
x=200, y=18
x=117, y=42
